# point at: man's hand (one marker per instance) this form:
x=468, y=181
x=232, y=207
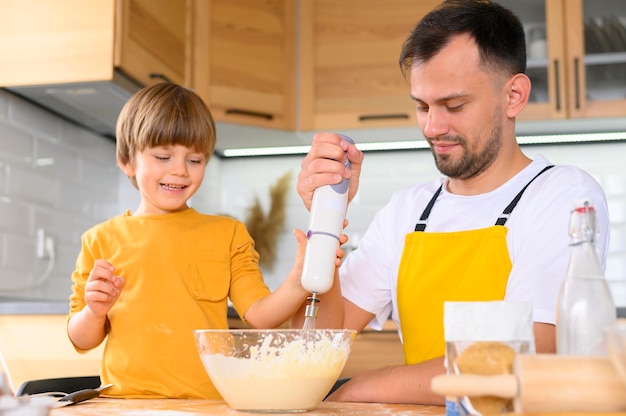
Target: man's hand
x=324, y=165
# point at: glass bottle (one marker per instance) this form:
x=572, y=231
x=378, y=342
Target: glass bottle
x=585, y=303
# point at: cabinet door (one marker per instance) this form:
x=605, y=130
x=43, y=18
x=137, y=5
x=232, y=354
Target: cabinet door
x=576, y=57
x=349, y=71
x=50, y=42
x=543, y=22
x=153, y=40
x=250, y=70
x=596, y=49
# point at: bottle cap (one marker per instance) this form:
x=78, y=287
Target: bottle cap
x=582, y=203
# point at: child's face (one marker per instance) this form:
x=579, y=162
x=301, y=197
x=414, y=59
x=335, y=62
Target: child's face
x=166, y=177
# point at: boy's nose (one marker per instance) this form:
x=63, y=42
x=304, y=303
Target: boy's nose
x=179, y=168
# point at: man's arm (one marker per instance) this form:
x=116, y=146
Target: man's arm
x=411, y=383
x=545, y=338
x=394, y=384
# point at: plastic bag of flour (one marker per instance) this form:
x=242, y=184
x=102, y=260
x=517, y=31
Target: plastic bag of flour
x=484, y=338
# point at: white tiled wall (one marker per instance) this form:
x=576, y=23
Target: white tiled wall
x=54, y=176
x=59, y=177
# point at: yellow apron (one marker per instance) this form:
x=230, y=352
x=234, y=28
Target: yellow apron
x=471, y=265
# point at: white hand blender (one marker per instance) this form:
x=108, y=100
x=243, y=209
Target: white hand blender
x=328, y=212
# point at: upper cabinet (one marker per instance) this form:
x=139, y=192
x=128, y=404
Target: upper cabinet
x=576, y=57
x=308, y=64
x=349, y=71
x=300, y=65
x=246, y=62
x=153, y=42
x=69, y=41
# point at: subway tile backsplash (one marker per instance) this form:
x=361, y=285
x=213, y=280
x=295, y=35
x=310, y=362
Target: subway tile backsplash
x=61, y=178
x=54, y=176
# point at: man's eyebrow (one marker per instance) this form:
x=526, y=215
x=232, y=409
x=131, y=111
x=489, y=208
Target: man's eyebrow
x=442, y=99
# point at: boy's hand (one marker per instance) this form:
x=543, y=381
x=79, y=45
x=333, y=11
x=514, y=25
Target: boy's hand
x=103, y=288
x=296, y=272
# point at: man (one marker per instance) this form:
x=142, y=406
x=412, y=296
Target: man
x=496, y=227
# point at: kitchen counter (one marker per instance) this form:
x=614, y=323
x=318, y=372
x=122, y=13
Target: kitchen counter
x=168, y=407
x=33, y=307
x=11, y=306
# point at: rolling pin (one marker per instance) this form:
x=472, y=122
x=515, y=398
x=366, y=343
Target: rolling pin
x=546, y=383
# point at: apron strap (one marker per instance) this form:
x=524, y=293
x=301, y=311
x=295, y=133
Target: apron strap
x=421, y=224
x=507, y=211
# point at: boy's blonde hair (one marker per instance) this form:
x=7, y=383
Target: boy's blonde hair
x=161, y=115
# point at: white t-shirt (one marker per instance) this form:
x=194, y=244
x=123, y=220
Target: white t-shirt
x=537, y=239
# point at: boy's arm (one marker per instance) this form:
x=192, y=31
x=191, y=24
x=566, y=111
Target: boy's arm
x=86, y=329
x=277, y=307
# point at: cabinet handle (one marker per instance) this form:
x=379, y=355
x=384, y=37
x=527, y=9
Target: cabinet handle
x=369, y=117
x=576, y=88
x=154, y=75
x=557, y=84
x=266, y=116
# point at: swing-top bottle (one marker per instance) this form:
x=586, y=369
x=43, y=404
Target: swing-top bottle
x=585, y=305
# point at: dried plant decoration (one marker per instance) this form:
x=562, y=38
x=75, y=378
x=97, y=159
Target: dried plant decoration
x=265, y=229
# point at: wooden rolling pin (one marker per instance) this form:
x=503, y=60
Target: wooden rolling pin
x=546, y=383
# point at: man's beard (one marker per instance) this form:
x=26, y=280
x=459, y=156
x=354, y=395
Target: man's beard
x=472, y=162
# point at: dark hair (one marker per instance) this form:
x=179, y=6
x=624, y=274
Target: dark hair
x=160, y=115
x=498, y=33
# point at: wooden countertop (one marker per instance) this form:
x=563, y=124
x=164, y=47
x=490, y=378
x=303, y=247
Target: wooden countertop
x=177, y=407
x=170, y=407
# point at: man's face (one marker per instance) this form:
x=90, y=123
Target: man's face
x=458, y=109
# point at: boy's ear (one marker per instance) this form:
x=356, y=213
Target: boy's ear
x=127, y=168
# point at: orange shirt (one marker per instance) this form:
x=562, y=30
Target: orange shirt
x=180, y=269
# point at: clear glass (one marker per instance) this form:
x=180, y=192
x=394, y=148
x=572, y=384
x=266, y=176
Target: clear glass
x=585, y=305
x=274, y=370
x=584, y=312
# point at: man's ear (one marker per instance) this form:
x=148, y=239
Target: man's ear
x=518, y=94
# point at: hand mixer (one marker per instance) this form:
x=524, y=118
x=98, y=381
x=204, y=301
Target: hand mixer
x=328, y=212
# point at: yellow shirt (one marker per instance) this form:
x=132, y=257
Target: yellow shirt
x=179, y=270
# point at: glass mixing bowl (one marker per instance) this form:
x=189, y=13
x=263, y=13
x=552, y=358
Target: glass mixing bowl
x=274, y=370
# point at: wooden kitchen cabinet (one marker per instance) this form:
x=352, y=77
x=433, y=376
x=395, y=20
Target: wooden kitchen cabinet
x=576, y=57
x=247, y=61
x=70, y=41
x=337, y=67
x=306, y=64
x=349, y=71
x=153, y=42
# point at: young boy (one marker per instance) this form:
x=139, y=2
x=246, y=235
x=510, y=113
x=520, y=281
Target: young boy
x=147, y=279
